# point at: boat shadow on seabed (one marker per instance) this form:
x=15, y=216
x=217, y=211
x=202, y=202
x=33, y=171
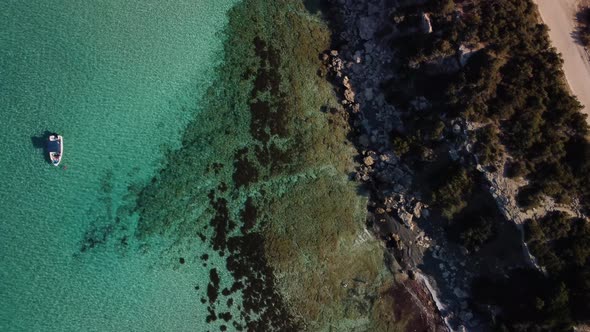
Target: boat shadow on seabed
x=40, y=143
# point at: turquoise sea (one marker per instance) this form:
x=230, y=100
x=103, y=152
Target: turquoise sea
x=119, y=80
x=205, y=183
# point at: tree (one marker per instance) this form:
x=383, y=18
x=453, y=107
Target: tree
x=451, y=195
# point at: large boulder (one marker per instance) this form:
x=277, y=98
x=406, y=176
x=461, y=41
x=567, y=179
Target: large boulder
x=369, y=94
x=417, y=211
x=369, y=161
x=349, y=95
x=406, y=218
x=389, y=158
x=367, y=27
x=346, y=83
x=426, y=24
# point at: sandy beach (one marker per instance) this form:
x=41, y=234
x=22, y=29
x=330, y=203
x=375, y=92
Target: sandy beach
x=559, y=15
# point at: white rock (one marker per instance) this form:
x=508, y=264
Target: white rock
x=426, y=24
x=349, y=95
x=418, y=209
x=346, y=82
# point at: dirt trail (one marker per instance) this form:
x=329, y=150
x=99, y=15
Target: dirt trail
x=560, y=16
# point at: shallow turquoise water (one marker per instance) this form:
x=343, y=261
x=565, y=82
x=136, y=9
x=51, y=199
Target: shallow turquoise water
x=119, y=80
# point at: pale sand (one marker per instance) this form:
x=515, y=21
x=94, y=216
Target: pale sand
x=560, y=17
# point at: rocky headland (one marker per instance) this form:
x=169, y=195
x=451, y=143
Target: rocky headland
x=423, y=257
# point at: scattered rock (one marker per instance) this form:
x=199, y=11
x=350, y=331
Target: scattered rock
x=361, y=70
x=418, y=209
x=349, y=95
x=369, y=94
x=364, y=140
x=406, y=218
x=346, y=82
x=460, y=293
x=367, y=27
x=357, y=57
x=426, y=23
x=401, y=277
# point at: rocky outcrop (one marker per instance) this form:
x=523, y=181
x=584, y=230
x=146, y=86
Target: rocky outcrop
x=505, y=191
x=357, y=70
x=396, y=213
x=426, y=23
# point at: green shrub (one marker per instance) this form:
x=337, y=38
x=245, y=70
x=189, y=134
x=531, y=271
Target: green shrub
x=480, y=232
x=400, y=145
x=451, y=195
x=488, y=146
x=516, y=169
x=583, y=31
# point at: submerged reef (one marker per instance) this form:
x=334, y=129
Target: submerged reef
x=262, y=177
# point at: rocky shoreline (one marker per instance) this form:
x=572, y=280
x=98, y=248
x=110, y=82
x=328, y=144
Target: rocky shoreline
x=357, y=69
x=358, y=65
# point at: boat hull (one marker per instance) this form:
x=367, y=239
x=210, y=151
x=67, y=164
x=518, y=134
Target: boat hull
x=55, y=149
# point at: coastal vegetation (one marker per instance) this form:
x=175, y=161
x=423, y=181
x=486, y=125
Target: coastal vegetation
x=525, y=96
x=561, y=245
x=583, y=30
x=514, y=85
x=451, y=191
x=491, y=63
x=554, y=300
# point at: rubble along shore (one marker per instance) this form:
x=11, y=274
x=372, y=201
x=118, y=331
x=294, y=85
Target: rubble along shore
x=357, y=69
